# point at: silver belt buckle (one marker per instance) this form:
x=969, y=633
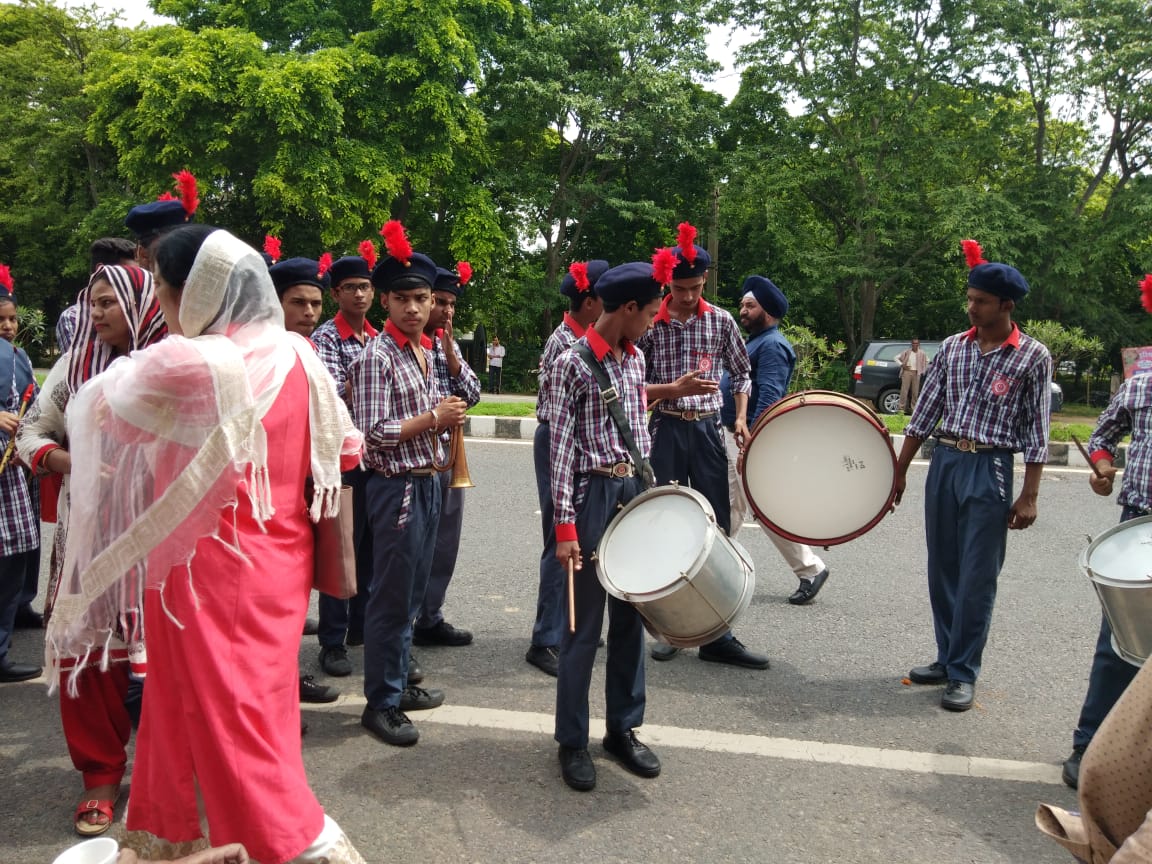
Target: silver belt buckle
x=621, y=469
x=966, y=445
x=690, y=415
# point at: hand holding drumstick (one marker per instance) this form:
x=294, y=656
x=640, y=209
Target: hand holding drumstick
x=1103, y=472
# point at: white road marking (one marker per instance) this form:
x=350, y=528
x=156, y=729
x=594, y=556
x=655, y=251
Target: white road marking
x=746, y=745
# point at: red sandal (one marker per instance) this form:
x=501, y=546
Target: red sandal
x=103, y=806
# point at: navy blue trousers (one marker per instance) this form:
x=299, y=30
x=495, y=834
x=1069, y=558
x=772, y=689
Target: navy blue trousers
x=1110, y=675
x=550, y=595
x=14, y=574
x=337, y=617
x=692, y=453
x=403, y=544
x=624, y=674
x=967, y=498
x=444, y=558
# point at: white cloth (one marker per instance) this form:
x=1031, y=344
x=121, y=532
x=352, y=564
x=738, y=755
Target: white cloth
x=800, y=558
x=496, y=355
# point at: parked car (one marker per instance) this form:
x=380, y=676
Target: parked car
x=876, y=374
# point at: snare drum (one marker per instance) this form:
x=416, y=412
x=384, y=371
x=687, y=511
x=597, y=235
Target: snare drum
x=819, y=468
x=664, y=554
x=1119, y=563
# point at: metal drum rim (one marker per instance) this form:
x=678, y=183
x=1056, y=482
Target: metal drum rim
x=1086, y=555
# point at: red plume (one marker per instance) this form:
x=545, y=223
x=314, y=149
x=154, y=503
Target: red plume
x=663, y=263
x=272, y=247
x=686, y=240
x=165, y=196
x=1146, y=292
x=325, y=264
x=464, y=270
x=188, y=192
x=396, y=241
x=368, y=253
x=6, y=277
x=973, y=253
x=579, y=271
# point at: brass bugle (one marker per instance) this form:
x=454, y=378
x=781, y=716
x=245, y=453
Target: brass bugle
x=457, y=461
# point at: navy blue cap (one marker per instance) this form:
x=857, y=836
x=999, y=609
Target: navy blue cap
x=625, y=282
x=770, y=298
x=389, y=270
x=596, y=268
x=146, y=221
x=297, y=271
x=447, y=280
x=349, y=267
x=699, y=267
x=998, y=279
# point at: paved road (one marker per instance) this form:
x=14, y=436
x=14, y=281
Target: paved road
x=825, y=757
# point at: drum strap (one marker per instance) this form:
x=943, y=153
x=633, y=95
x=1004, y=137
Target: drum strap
x=612, y=402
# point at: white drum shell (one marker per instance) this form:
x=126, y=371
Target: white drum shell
x=1119, y=564
x=665, y=554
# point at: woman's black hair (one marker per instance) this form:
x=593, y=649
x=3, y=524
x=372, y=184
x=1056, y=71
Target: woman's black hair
x=7, y=298
x=176, y=251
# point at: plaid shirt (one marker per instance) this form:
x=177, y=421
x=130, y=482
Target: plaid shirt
x=583, y=433
x=562, y=338
x=338, y=346
x=1129, y=413
x=709, y=341
x=466, y=385
x=1000, y=398
x=388, y=388
x=19, y=498
x=66, y=328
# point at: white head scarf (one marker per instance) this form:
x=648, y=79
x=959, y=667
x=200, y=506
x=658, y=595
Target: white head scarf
x=161, y=441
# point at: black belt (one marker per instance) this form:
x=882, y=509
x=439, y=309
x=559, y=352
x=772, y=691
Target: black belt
x=690, y=415
x=618, y=469
x=966, y=445
x=423, y=471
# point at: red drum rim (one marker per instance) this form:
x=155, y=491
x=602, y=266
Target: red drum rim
x=827, y=398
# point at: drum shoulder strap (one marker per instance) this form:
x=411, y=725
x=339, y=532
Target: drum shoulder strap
x=612, y=402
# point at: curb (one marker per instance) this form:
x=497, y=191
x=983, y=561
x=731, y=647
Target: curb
x=524, y=428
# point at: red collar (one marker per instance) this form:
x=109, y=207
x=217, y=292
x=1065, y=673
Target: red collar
x=402, y=340
x=701, y=308
x=574, y=325
x=1013, y=339
x=600, y=348
x=345, y=331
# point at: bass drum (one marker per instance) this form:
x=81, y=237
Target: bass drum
x=665, y=554
x=819, y=468
x=1119, y=563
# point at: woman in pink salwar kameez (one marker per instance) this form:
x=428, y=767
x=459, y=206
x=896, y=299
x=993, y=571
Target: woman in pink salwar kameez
x=205, y=442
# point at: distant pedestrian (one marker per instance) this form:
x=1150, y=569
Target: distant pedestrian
x=496, y=353
x=913, y=363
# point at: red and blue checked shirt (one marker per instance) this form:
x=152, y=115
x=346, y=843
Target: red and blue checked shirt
x=19, y=498
x=388, y=388
x=583, y=434
x=1129, y=413
x=1000, y=398
x=466, y=385
x=562, y=338
x=709, y=341
x=338, y=346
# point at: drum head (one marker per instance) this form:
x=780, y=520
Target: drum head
x=1122, y=555
x=820, y=473
x=659, y=536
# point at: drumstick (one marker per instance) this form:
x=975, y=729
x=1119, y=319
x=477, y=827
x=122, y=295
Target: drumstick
x=571, y=595
x=1087, y=458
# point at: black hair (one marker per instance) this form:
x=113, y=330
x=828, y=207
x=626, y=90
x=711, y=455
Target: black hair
x=575, y=304
x=407, y=283
x=7, y=298
x=177, y=251
x=110, y=250
x=641, y=301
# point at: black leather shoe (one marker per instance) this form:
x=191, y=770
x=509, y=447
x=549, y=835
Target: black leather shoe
x=354, y=639
x=419, y=699
x=660, y=651
x=577, y=769
x=441, y=634
x=958, y=696
x=310, y=691
x=311, y=626
x=632, y=754
x=733, y=652
x=546, y=658
x=391, y=726
x=334, y=661
x=415, y=673
x=28, y=618
x=10, y=673
x=933, y=673
x=809, y=588
x=1071, y=773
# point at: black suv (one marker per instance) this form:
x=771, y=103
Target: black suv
x=876, y=374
